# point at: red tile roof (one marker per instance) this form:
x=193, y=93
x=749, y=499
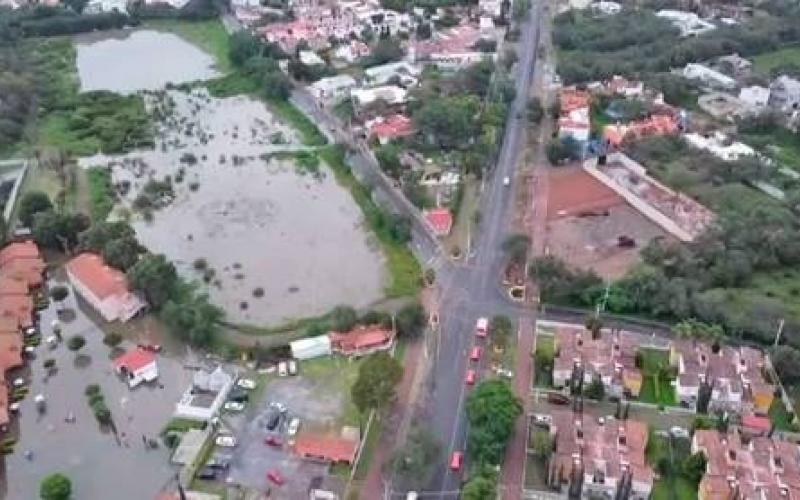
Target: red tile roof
x=330, y=448
x=12, y=286
x=134, y=360
x=8, y=326
x=361, y=338
x=19, y=250
x=10, y=352
x=103, y=281
x=392, y=127
x=440, y=220
x=756, y=423
x=28, y=270
x=18, y=308
x=571, y=99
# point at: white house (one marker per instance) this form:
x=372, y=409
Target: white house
x=688, y=23
x=99, y=6
x=493, y=8
x=333, y=88
x=719, y=145
x=755, y=98
x=311, y=347
x=460, y=60
x=390, y=94
x=103, y=287
x=785, y=93
x=576, y=124
x=310, y=58
x=606, y=8
x=406, y=72
x=204, y=398
x=137, y=365
x=384, y=20
x=708, y=76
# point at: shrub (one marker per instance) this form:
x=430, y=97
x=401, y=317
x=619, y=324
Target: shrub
x=92, y=389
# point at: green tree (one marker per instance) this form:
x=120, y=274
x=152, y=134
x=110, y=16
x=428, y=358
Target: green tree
x=122, y=253
x=155, y=277
x=192, y=317
x=596, y=390
x=695, y=329
x=58, y=293
x=413, y=464
x=242, y=45
x=101, y=234
x=516, y=247
x=30, y=204
x=492, y=409
x=560, y=150
x=76, y=343
x=542, y=443
x=112, y=339
x=375, y=385
x=343, y=318
x=786, y=361
x=410, y=320
x=55, y=487
x=500, y=329
x=276, y=85
x=535, y=110
x=694, y=466
x=58, y=230
x=480, y=487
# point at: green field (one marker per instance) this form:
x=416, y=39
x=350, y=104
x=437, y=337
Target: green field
x=764, y=63
x=674, y=488
x=209, y=35
x=781, y=144
x=658, y=391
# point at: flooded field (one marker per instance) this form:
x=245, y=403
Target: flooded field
x=270, y=240
x=125, y=62
x=97, y=461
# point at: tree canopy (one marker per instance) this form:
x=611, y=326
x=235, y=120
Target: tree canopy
x=377, y=379
x=492, y=409
x=55, y=487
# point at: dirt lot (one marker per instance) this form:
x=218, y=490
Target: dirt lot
x=586, y=220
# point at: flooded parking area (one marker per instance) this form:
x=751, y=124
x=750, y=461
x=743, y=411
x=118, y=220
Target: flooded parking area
x=96, y=460
x=270, y=240
x=124, y=61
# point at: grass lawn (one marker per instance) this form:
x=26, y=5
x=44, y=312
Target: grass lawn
x=334, y=375
x=545, y=349
x=209, y=35
x=101, y=192
x=653, y=359
x=765, y=62
x=783, y=285
x=780, y=417
x=657, y=391
x=781, y=145
x=674, y=488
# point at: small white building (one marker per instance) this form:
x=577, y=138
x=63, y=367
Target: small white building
x=492, y=8
x=103, y=287
x=137, y=366
x=404, y=71
x=755, y=98
x=785, y=94
x=688, y=23
x=708, y=76
x=606, y=8
x=100, y=6
x=310, y=58
x=390, y=94
x=204, y=398
x=460, y=60
x=333, y=88
x=311, y=347
x=719, y=145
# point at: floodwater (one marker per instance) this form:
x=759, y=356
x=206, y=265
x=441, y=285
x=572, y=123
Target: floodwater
x=127, y=61
x=99, y=464
x=282, y=243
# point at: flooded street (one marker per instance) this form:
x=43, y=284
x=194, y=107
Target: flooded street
x=95, y=460
x=271, y=241
x=126, y=61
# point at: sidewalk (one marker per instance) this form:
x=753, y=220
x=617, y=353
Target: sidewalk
x=396, y=424
x=514, y=464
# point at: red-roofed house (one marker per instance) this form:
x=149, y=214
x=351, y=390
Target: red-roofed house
x=756, y=425
x=19, y=250
x=11, y=286
x=17, y=308
x=659, y=124
x=326, y=448
x=26, y=269
x=10, y=357
x=137, y=365
x=104, y=287
x=440, y=220
x=362, y=340
x=393, y=127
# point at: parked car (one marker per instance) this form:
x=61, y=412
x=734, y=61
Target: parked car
x=279, y=406
x=292, y=367
x=475, y=355
x=208, y=473
x=276, y=477
x=679, y=432
x=282, y=369
x=31, y=331
x=273, y=419
x=239, y=396
x=225, y=441
x=220, y=461
x=273, y=441
x=482, y=327
x=246, y=383
x=19, y=382
x=455, y=461
x=506, y=181
x=470, y=378
x=233, y=406
x=294, y=425
x=557, y=399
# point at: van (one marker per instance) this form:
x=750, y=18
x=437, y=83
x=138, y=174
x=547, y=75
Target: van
x=282, y=369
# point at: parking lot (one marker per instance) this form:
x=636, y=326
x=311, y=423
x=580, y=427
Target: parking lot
x=319, y=396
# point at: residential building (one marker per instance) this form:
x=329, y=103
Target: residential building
x=311, y=347
x=10, y=358
x=606, y=8
x=310, y=58
x=21, y=261
x=491, y=8
x=333, y=88
x=574, y=120
x=440, y=220
x=722, y=106
x=390, y=128
x=600, y=457
x=688, y=23
x=137, y=366
x=785, y=94
x=103, y=287
x=452, y=42
x=655, y=125
x=624, y=87
x=454, y=61
x=755, y=98
x=100, y=6
x=351, y=51
x=362, y=340
x=389, y=94
x=404, y=73
x=736, y=65
x=708, y=76
x=720, y=146
x=203, y=399
x=384, y=21
x=13, y=286
x=17, y=308
x=738, y=467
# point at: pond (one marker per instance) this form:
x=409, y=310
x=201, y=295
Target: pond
x=269, y=241
x=127, y=61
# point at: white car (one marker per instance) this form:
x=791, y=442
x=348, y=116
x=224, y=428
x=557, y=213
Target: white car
x=279, y=406
x=506, y=181
x=19, y=382
x=14, y=407
x=225, y=441
x=282, y=369
x=294, y=425
x=246, y=383
x=292, y=365
x=233, y=406
x=679, y=432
